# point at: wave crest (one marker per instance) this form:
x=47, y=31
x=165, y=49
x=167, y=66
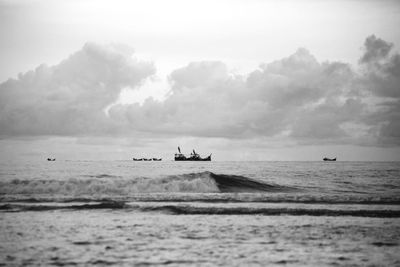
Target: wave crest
x=203, y=182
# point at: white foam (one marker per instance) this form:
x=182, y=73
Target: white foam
x=197, y=183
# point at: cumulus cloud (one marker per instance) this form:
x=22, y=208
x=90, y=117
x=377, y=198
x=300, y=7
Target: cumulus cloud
x=381, y=77
x=375, y=49
x=381, y=69
x=296, y=98
x=69, y=98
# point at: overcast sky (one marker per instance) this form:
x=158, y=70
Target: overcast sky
x=245, y=80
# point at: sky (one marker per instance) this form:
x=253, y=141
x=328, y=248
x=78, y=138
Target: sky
x=244, y=80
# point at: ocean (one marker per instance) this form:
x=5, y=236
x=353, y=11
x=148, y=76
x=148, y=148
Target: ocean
x=71, y=212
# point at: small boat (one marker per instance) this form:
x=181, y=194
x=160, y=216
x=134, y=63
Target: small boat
x=193, y=156
x=328, y=159
x=51, y=159
x=146, y=159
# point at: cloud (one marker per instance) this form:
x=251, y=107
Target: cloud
x=69, y=98
x=381, y=76
x=296, y=98
x=375, y=49
x=381, y=68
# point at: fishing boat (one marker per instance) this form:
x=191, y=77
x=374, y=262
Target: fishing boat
x=146, y=159
x=328, y=159
x=193, y=156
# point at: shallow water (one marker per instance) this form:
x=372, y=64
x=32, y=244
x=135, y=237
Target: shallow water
x=200, y=213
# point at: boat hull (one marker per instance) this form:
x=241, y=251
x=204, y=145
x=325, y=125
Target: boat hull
x=183, y=158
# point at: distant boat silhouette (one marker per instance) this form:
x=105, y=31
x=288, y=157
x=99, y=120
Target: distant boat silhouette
x=328, y=159
x=193, y=156
x=145, y=159
x=51, y=159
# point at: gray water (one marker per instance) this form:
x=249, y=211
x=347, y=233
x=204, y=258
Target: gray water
x=199, y=213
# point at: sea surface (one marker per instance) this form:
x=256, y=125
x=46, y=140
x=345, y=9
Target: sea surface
x=79, y=213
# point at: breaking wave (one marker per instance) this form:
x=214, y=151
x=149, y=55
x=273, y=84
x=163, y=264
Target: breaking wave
x=236, y=183
x=205, y=187
x=105, y=184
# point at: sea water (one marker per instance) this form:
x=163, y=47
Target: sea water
x=71, y=212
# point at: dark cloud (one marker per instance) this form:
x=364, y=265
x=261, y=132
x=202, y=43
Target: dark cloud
x=296, y=98
x=375, y=50
x=381, y=68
